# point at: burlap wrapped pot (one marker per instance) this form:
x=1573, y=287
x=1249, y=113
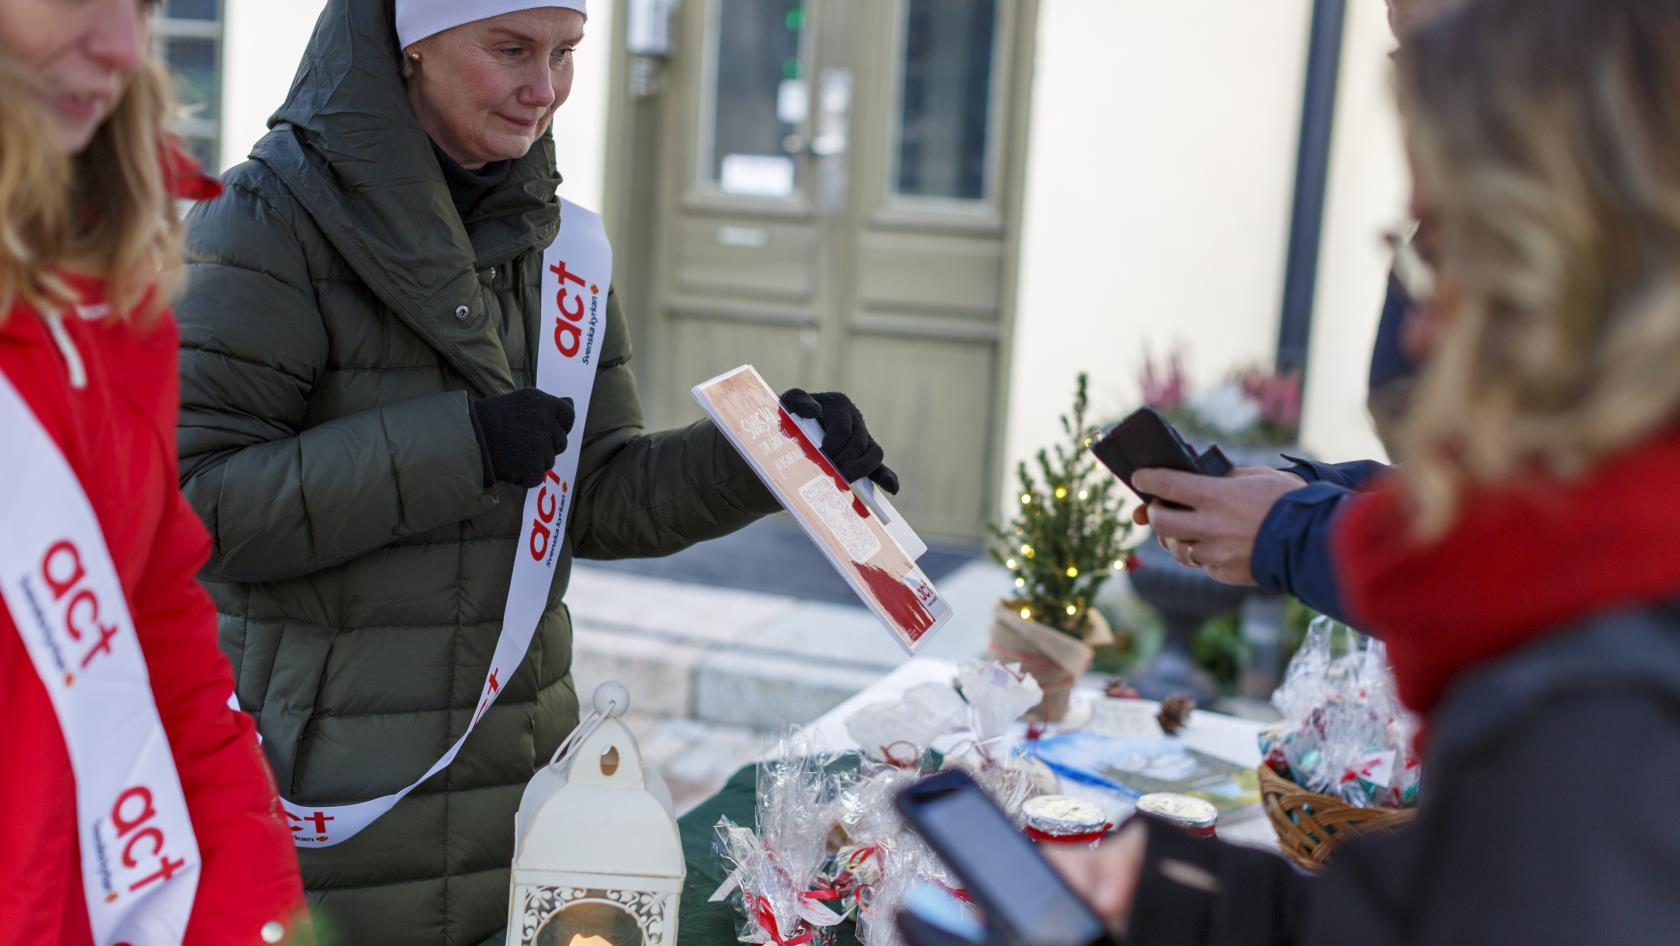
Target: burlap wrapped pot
x=1055, y=659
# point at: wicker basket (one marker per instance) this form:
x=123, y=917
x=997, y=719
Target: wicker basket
x=1310, y=826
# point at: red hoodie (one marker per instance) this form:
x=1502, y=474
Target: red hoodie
x=117, y=431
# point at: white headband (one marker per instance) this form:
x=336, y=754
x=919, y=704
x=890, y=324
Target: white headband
x=418, y=19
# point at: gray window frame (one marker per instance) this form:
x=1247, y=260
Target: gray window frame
x=206, y=127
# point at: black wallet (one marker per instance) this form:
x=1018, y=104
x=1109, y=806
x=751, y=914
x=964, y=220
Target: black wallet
x=1147, y=440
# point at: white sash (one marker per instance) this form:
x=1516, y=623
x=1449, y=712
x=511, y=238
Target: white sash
x=140, y=859
x=577, y=273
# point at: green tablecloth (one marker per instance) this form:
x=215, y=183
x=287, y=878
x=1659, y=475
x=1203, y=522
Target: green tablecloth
x=715, y=924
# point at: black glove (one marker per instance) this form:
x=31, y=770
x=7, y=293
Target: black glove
x=846, y=440
x=520, y=434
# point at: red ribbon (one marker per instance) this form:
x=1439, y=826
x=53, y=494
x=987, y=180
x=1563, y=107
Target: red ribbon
x=957, y=892
x=1090, y=837
x=872, y=852
x=766, y=918
x=900, y=762
x=847, y=881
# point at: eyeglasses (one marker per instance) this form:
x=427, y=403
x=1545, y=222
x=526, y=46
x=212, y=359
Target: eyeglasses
x=1414, y=273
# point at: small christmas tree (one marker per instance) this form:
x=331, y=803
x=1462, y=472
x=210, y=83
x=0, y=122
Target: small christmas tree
x=1070, y=534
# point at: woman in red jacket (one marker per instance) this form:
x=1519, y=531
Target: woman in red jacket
x=135, y=806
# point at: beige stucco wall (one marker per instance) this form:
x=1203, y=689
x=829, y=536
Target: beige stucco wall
x=1158, y=192
x=265, y=39
x=262, y=43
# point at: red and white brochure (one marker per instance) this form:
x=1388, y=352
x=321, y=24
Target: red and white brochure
x=863, y=537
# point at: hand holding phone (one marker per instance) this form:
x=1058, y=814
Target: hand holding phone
x=1147, y=440
x=1003, y=871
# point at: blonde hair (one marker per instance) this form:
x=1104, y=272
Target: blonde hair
x=104, y=213
x=1547, y=132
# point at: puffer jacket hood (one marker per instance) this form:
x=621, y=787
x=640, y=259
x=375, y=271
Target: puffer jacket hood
x=349, y=109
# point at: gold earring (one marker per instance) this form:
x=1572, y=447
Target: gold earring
x=414, y=57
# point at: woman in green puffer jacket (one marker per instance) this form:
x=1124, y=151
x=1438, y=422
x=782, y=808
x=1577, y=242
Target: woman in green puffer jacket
x=358, y=426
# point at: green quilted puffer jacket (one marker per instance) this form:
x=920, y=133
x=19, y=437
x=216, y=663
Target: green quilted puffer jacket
x=339, y=319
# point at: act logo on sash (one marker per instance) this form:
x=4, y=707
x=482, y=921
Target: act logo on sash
x=139, y=855
x=574, y=341
x=145, y=844
x=74, y=611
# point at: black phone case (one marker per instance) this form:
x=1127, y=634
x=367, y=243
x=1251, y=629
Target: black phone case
x=1147, y=440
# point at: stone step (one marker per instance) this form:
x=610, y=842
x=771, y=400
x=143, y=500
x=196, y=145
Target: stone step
x=769, y=690
x=746, y=659
x=694, y=758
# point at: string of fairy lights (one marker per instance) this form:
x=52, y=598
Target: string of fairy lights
x=1026, y=551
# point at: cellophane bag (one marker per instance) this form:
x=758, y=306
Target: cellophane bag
x=907, y=862
x=778, y=867
x=900, y=732
x=1344, y=732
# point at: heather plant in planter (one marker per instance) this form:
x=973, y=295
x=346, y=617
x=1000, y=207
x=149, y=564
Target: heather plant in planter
x=1069, y=535
x=1252, y=407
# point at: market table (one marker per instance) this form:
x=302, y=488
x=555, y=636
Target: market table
x=715, y=924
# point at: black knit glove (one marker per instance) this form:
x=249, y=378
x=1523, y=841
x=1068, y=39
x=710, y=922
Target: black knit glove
x=520, y=434
x=846, y=440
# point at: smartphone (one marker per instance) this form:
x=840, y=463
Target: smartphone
x=1147, y=440
x=1000, y=868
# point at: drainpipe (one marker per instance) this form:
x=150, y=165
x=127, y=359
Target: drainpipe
x=1312, y=177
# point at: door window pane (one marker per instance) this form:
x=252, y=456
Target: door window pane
x=760, y=99
x=192, y=61
x=191, y=9
x=187, y=38
x=945, y=102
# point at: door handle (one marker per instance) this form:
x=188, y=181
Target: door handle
x=827, y=145
x=833, y=119
x=834, y=113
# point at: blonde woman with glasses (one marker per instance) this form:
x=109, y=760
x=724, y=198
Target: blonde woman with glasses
x=137, y=807
x=1524, y=566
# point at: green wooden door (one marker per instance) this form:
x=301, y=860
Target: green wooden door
x=838, y=203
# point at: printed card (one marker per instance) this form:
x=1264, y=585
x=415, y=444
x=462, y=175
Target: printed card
x=853, y=536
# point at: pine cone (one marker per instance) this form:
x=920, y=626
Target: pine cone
x=1175, y=713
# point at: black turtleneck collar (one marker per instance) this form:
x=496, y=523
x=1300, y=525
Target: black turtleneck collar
x=467, y=188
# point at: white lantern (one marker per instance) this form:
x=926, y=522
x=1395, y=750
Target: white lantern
x=597, y=860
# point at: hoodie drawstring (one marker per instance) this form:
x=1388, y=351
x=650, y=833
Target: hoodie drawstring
x=67, y=348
